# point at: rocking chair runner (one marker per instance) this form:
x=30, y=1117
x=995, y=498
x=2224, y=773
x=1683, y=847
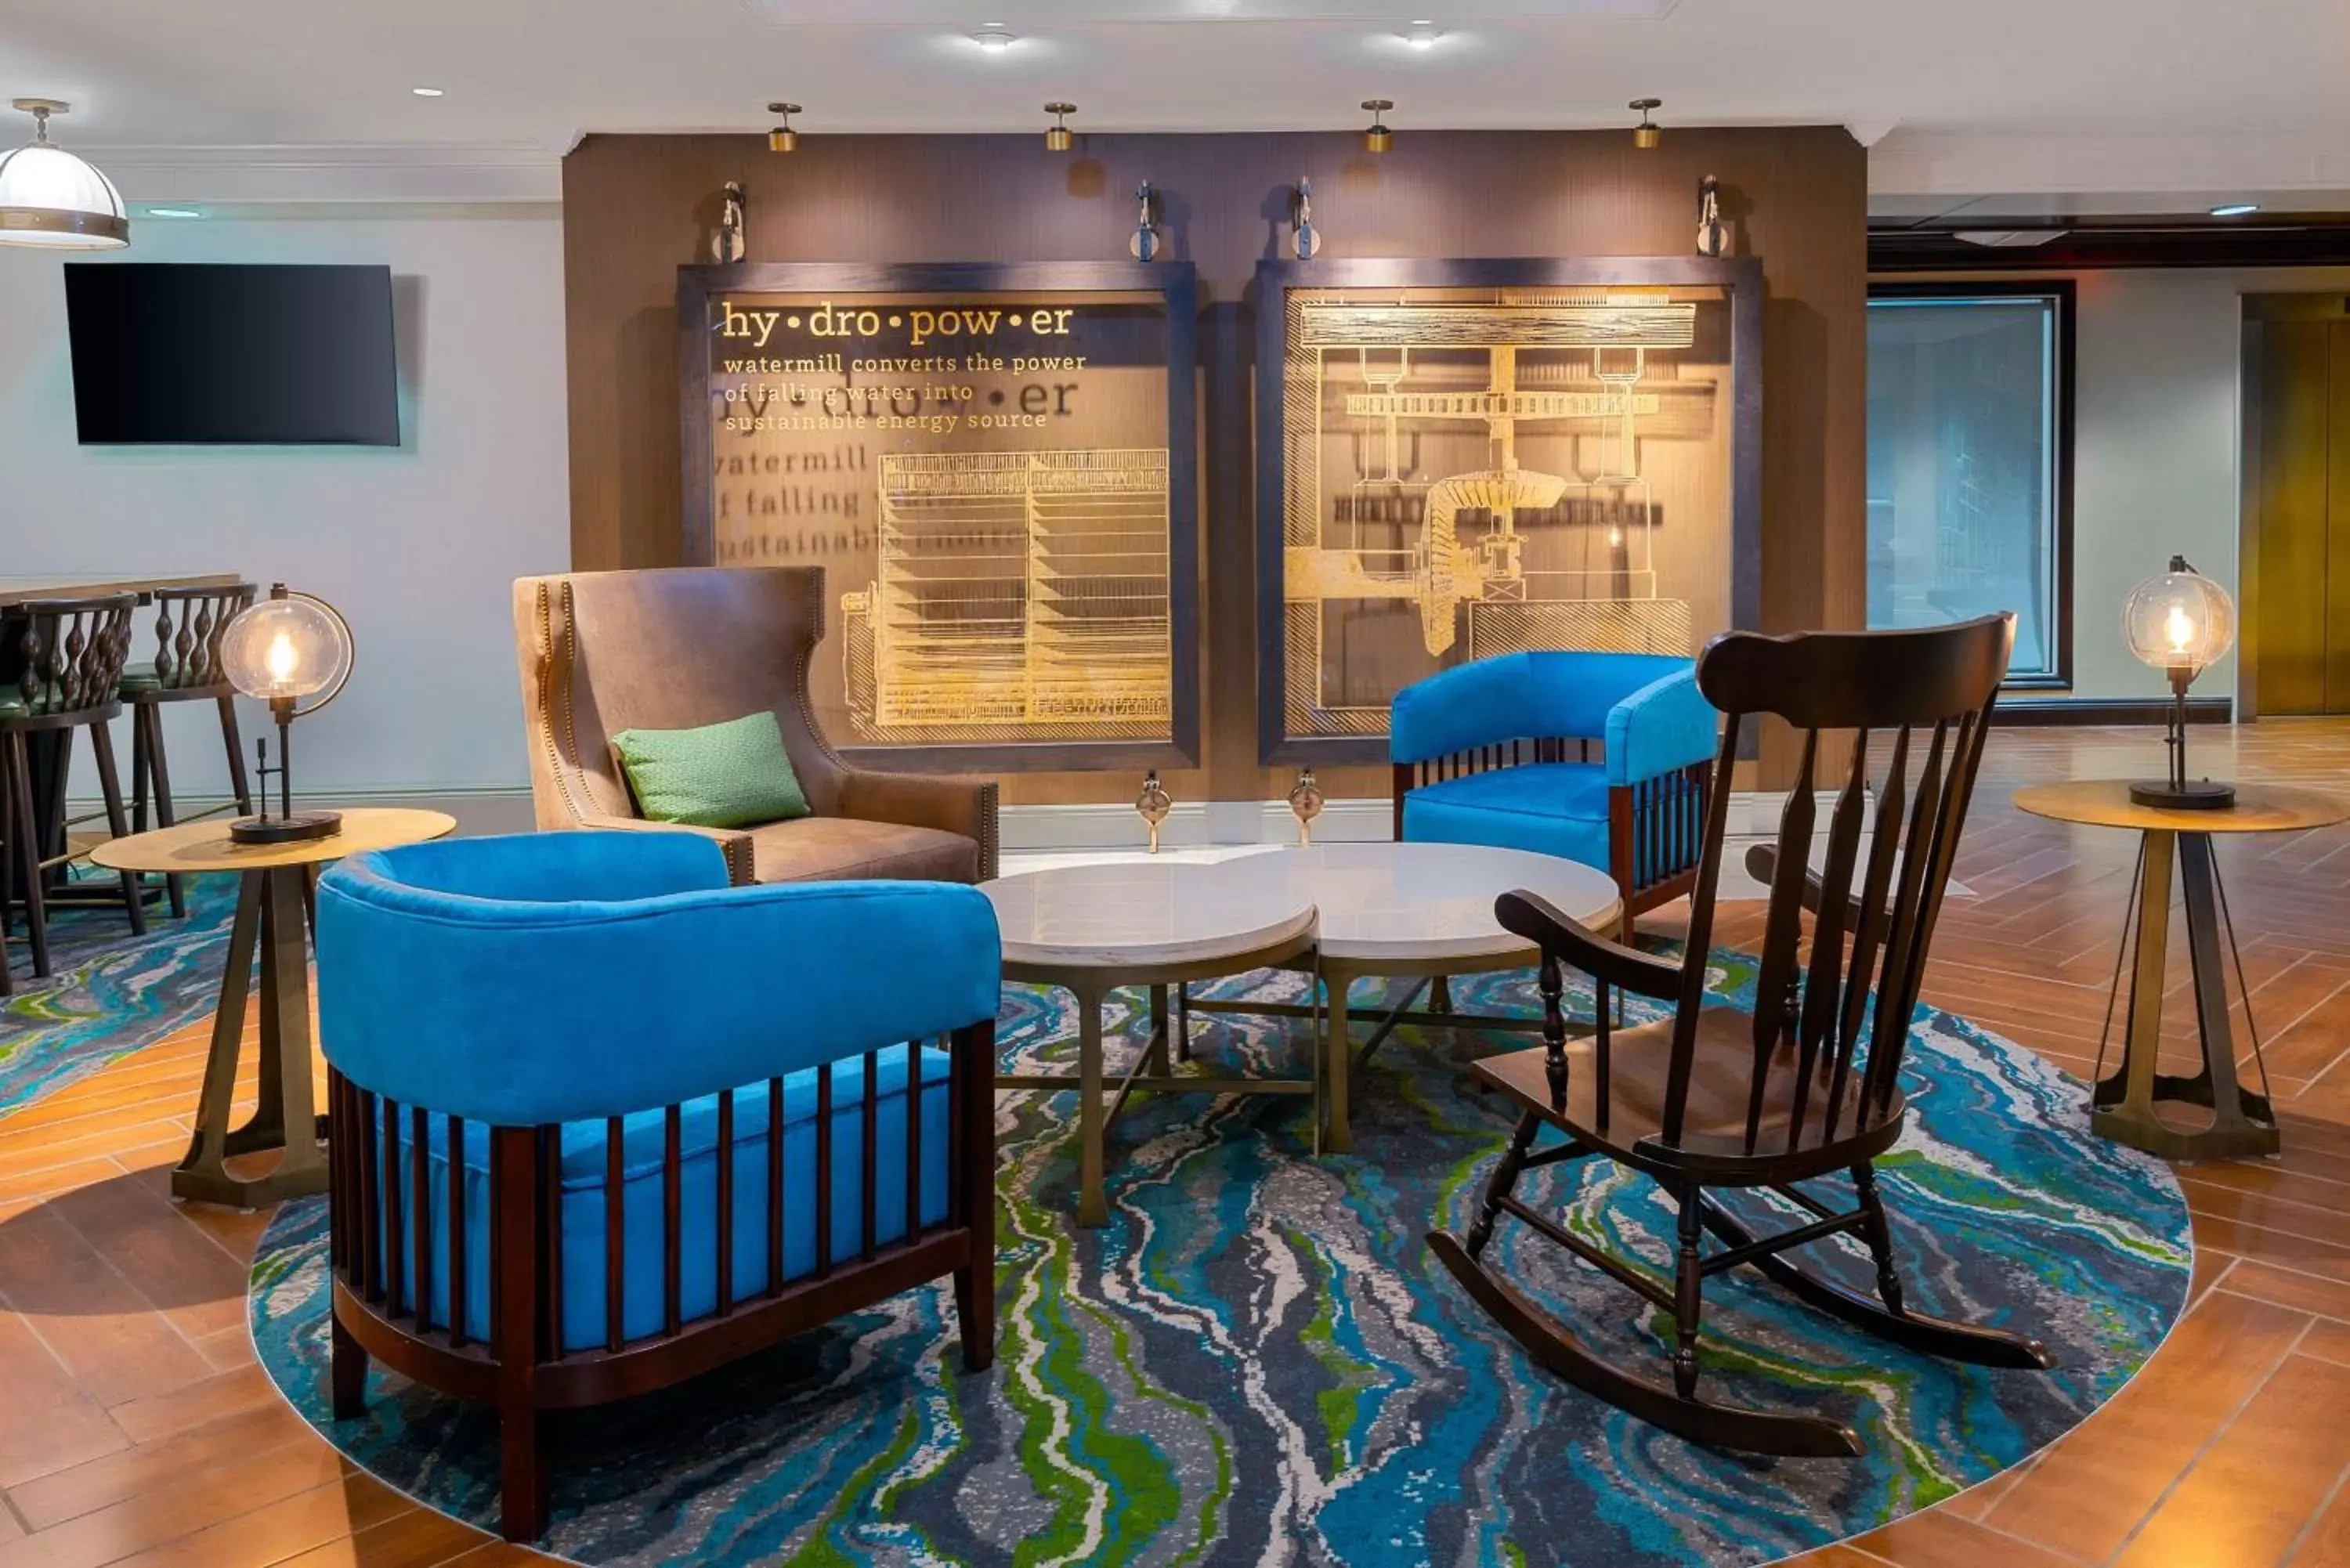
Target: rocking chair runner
x=1808, y=1084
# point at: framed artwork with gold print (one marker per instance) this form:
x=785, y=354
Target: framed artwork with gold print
x=995, y=464
x=1461, y=459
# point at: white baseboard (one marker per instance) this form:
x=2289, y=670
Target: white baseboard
x=1198, y=824
x=1191, y=825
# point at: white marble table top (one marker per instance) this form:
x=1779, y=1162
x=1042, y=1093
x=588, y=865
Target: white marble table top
x=1423, y=902
x=1138, y=915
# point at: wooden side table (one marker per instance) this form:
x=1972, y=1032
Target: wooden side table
x=272, y=914
x=2123, y=1105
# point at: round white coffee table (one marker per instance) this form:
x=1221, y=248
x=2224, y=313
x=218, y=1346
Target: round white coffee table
x=1412, y=910
x=1093, y=929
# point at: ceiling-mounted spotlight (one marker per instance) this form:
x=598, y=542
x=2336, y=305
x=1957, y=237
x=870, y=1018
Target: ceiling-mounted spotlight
x=1058, y=137
x=782, y=138
x=1648, y=133
x=49, y=197
x=1377, y=136
x=995, y=37
x=1423, y=35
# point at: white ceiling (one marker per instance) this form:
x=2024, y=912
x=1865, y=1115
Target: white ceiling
x=241, y=98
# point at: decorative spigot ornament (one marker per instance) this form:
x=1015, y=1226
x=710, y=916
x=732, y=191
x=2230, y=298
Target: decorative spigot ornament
x=1305, y=804
x=1153, y=805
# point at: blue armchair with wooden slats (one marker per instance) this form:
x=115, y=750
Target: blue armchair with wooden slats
x=602, y=1123
x=1599, y=758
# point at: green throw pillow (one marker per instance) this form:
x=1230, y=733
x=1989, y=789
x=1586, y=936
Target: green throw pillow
x=734, y=775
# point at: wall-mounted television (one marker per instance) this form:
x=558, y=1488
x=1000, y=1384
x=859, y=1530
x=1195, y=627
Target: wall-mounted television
x=225, y=354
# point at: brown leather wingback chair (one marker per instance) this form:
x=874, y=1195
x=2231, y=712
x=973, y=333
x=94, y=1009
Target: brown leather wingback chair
x=607, y=651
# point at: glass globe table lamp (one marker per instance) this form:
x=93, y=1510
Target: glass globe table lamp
x=2179, y=622
x=287, y=650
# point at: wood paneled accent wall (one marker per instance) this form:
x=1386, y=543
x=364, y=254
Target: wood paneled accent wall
x=637, y=207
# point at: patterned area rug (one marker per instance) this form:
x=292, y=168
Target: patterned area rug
x=112, y=993
x=1258, y=1361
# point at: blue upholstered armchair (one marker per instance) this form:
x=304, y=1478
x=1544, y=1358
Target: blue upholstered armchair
x=1500, y=751
x=602, y=1123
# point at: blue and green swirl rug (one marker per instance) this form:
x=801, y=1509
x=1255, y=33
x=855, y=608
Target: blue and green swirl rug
x=1259, y=1362
x=110, y=994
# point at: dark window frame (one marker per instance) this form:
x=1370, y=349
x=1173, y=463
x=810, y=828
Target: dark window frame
x=2063, y=292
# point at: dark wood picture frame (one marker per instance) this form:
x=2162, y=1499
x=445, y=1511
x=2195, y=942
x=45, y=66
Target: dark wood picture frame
x=2066, y=297
x=1739, y=279
x=1177, y=285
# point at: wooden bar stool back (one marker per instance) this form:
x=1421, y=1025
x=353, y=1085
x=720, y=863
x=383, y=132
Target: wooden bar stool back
x=70, y=655
x=185, y=667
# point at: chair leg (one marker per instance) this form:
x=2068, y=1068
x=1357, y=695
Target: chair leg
x=1688, y=1293
x=27, y=858
x=350, y=1373
x=166, y=814
x=1878, y=1235
x=138, y=712
x=974, y=1288
x=522, y=1472
x=117, y=822
x=237, y=781
x=1500, y=1185
x=8, y=844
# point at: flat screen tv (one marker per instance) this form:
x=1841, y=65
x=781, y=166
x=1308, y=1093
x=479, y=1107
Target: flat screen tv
x=172, y=352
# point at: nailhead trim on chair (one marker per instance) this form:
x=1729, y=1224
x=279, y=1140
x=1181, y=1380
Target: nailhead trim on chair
x=546, y=705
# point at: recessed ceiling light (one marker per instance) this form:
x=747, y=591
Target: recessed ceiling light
x=2234, y=209
x=173, y=212
x=429, y=91
x=1423, y=35
x=995, y=37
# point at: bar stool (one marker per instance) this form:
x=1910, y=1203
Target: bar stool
x=68, y=660
x=186, y=669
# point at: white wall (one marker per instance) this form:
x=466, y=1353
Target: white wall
x=2157, y=437
x=2156, y=424
x=418, y=546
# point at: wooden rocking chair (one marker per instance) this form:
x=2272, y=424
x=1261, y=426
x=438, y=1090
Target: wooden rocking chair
x=1808, y=1084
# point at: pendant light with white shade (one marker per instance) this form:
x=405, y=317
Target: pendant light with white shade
x=49, y=197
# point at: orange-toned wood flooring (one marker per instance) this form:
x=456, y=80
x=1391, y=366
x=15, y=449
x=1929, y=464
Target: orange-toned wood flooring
x=135, y=1428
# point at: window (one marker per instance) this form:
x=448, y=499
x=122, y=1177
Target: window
x=1970, y=460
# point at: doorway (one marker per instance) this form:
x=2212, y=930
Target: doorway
x=2297, y=498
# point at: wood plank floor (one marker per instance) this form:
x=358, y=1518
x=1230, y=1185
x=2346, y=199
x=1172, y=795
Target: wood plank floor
x=135, y=1428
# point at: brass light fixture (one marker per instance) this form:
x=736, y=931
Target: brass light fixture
x=1648, y=133
x=782, y=138
x=1378, y=137
x=1058, y=137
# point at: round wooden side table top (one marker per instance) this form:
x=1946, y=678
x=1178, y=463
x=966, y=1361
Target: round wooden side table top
x=2258, y=808
x=206, y=845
